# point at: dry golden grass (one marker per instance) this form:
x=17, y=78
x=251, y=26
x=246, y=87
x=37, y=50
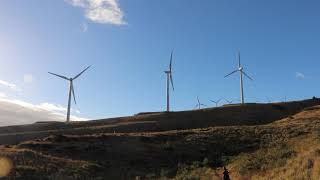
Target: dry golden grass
x=29, y=164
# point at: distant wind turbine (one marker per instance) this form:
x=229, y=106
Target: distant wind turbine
x=216, y=102
x=199, y=104
x=230, y=102
x=71, y=89
x=169, y=80
x=240, y=69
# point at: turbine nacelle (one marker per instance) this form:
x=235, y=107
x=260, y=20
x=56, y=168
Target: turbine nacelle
x=240, y=68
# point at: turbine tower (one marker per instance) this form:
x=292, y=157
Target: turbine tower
x=169, y=80
x=71, y=89
x=199, y=104
x=241, y=71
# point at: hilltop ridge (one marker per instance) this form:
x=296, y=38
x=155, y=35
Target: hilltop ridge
x=231, y=115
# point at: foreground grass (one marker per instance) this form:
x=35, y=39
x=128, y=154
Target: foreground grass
x=28, y=164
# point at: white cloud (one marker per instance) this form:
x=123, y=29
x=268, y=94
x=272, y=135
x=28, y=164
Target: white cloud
x=16, y=112
x=10, y=85
x=52, y=107
x=28, y=78
x=2, y=95
x=84, y=27
x=101, y=11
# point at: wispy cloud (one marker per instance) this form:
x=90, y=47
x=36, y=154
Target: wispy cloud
x=16, y=112
x=9, y=85
x=52, y=107
x=300, y=75
x=101, y=11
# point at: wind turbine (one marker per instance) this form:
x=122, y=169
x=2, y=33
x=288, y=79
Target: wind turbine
x=230, y=102
x=71, y=89
x=199, y=104
x=216, y=102
x=169, y=80
x=241, y=71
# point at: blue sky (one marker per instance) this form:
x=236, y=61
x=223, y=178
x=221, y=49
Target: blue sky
x=129, y=45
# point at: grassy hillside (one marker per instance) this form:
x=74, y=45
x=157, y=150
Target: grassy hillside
x=231, y=115
x=285, y=149
x=290, y=149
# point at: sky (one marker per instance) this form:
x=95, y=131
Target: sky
x=128, y=44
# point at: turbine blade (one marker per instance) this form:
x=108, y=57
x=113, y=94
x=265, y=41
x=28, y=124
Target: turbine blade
x=213, y=101
x=231, y=73
x=247, y=75
x=170, y=65
x=81, y=72
x=227, y=101
x=239, y=61
x=63, y=77
x=73, y=94
x=171, y=82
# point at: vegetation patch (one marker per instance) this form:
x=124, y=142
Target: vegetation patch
x=263, y=159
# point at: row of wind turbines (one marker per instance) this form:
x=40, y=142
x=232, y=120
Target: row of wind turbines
x=169, y=82
x=239, y=69
x=216, y=102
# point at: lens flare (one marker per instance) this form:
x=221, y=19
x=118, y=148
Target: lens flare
x=5, y=166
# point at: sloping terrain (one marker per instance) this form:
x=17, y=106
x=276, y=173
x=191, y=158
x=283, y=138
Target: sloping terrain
x=230, y=115
x=285, y=149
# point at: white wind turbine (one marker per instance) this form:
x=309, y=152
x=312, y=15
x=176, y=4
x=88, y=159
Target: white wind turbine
x=241, y=71
x=216, y=102
x=71, y=89
x=199, y=104
x=169, y=80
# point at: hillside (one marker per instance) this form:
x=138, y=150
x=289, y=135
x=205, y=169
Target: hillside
x=253, y=144
x=230, y=115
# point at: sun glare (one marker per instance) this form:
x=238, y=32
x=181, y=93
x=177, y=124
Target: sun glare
x=5, y=166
